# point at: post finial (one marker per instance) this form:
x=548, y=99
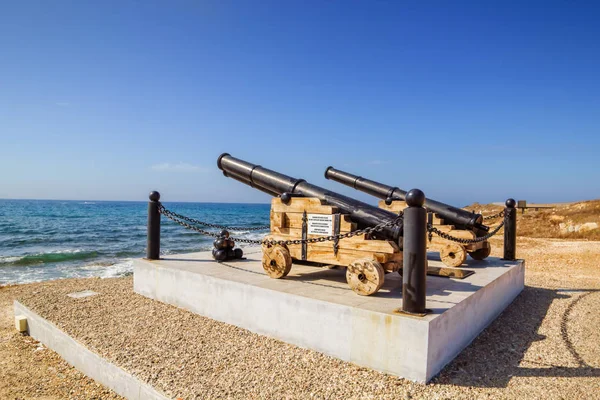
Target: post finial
x=154, y=196
x=511, y=203
x=415, y=198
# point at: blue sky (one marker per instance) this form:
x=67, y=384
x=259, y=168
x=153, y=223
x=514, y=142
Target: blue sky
x=469, y=101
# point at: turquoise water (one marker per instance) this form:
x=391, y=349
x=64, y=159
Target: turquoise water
x=51, y=239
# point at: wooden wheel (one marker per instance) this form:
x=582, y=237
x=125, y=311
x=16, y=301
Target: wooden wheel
x=365, y=276
x=483, y=253
x=276, y=261
x=453, y=254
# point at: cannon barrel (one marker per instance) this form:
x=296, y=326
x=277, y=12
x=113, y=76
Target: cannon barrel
x=249, y=183
x=457, y=216
x=275, y=183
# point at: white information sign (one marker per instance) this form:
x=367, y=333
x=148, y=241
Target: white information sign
x=319, y=224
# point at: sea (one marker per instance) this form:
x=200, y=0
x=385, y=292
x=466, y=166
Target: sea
x=52, y=239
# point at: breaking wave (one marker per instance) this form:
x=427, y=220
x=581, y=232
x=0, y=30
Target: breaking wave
x=46, y=258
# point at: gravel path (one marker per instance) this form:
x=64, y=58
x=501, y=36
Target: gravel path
x=544, y=345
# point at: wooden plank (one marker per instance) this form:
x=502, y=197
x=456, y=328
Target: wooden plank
x=395, y=207
x=437, y=220
x=277, y=219
x=323, y=252
x=343, y=257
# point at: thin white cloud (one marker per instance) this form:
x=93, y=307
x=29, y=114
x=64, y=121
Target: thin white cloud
x=178, y=167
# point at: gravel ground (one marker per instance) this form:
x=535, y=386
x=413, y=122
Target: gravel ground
x=28, y=370
x=546, y=344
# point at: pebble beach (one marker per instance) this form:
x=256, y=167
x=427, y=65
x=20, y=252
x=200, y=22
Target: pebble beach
x=544, y=344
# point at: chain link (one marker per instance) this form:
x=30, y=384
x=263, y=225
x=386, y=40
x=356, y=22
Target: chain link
x=169, y=214
x=500, y=214
x=188, y=226
x=181, y=220
x=444, y=235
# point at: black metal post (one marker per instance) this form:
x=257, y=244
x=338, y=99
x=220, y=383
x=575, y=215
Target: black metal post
x=510, y=230
x=414, y=272
x=153, y=242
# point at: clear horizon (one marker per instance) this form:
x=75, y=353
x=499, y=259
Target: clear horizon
x=373, y=200
x=470, y=102
x=130, y=201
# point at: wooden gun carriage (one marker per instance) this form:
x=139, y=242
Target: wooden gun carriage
x=452, y=254
x=366, y=260
x=454, y=221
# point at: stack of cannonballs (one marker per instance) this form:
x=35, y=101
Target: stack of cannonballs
x=224, y=248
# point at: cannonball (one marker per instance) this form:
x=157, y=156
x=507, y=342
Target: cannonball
x=238, y=253
x=220, y=243
x=230, y=253
x=230, y=243
x=220, y=255
x=224, y=233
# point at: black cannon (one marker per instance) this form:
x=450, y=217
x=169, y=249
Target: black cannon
x=312, y=224
x=458, y=223
x=461, y=218
x=274, y=183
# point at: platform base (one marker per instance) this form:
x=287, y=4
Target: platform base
x=314, y=307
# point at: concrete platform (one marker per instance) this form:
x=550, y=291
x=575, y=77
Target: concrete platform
x=314, y=307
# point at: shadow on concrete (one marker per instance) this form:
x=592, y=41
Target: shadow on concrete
x=188, y=260
x=470, y=263
x=321, y=276
x=392, y=287
x=501, y=347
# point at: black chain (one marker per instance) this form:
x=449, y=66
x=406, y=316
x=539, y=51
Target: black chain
x=169, y=214
x=369, y=230
x=179, y=219
x=444, y=235
x=500, y=214
x=188, y=226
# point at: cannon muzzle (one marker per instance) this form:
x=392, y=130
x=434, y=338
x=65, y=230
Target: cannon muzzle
x=275, y=183
x=454, y=215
